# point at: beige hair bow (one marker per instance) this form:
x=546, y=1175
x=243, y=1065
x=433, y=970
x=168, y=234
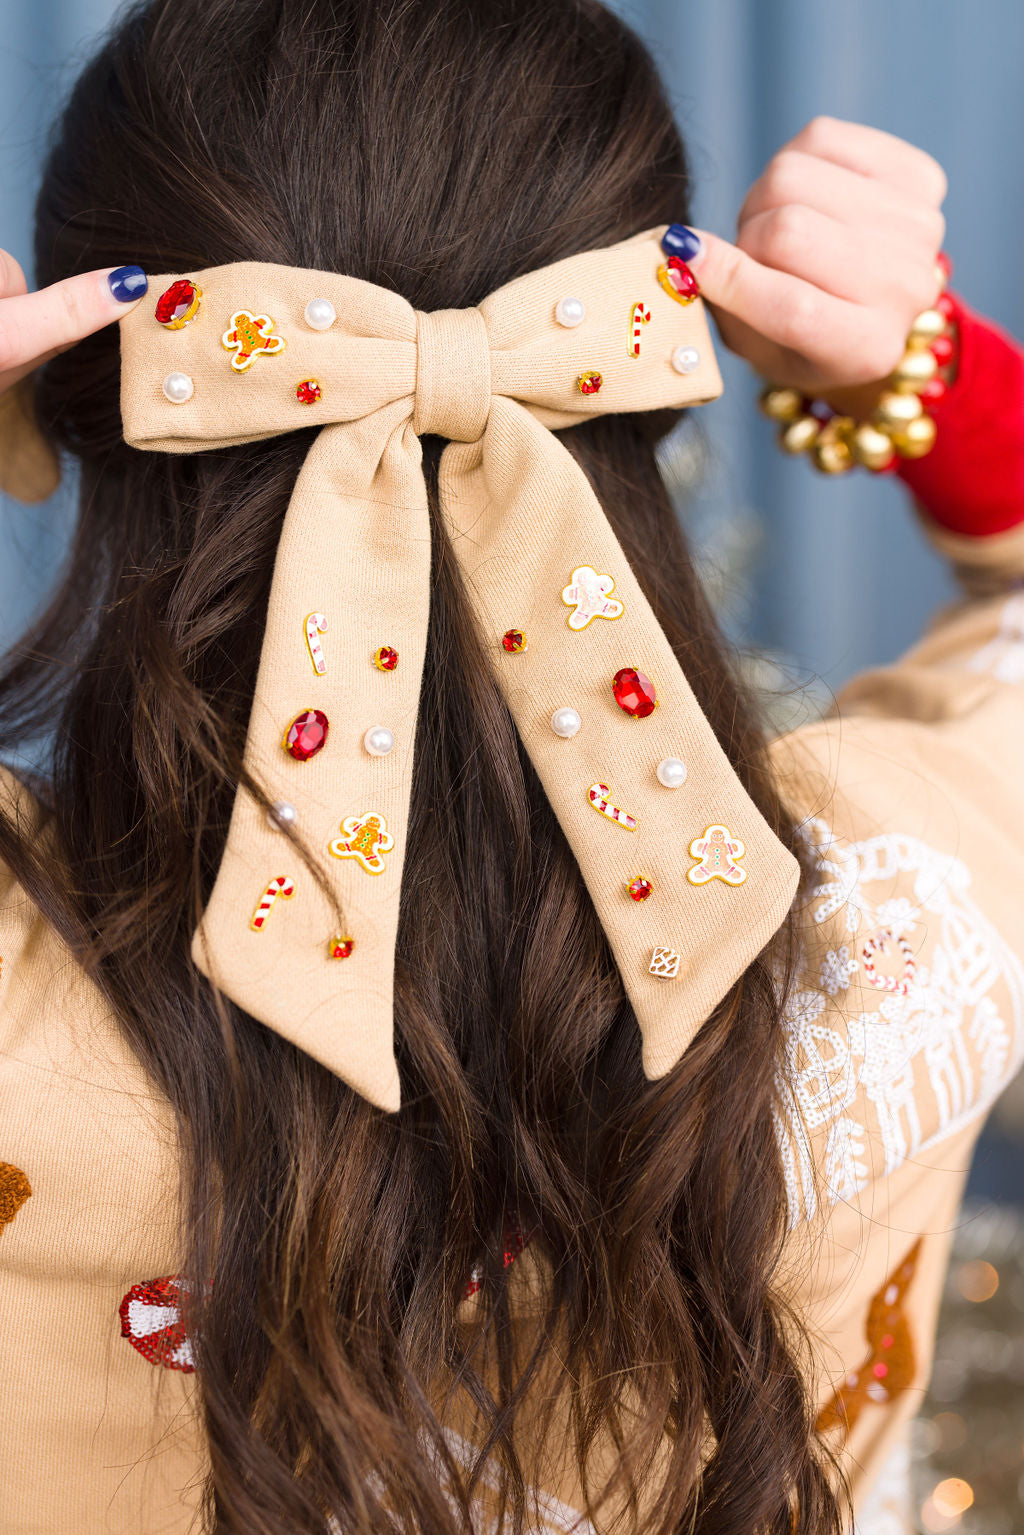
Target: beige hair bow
x=687, y=878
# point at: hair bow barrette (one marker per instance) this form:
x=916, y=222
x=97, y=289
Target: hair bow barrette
x=687, y=878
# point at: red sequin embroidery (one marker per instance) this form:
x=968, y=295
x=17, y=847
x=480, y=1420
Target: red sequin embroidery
x=151, y=1321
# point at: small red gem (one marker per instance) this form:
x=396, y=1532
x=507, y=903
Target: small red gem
x=887, y=1340
x=945, y=305
x=308, y=392
x=589, y=383
x=634, y=692
x=386, y=659
x=935, y=390
x=514, y=640
x=307, y=734
x=341, y=948
x=639, y=889
x=681, y=278
x=942, y=350
x=880, y=1371
x=176, y=302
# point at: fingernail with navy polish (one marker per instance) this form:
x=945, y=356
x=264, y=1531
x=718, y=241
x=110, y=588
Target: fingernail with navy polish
x=128, y=283
x=682, y=242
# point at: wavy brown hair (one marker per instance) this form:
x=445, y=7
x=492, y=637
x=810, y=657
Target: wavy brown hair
x=439, y=148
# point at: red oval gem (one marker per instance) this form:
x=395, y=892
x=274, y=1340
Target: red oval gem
x=681, y=278
x=173, y=307
x=514, y=640
x=935, y=390
x=308, y=391
x=341, y=948
x=307, y=734
x=639, y=889
x=386, y=658
x=634, y=692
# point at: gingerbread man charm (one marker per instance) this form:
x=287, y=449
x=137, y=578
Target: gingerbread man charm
x=249, y=337
x=588, y=592
x=366, y=837
x=717, y=850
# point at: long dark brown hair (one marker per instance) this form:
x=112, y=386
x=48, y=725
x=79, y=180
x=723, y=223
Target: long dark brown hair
x=439, y=148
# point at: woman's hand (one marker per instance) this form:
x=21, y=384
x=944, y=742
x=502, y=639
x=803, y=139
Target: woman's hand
x=834, y=256
x=35, y=326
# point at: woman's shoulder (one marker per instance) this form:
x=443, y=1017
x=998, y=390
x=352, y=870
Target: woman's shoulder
x=905, y=1019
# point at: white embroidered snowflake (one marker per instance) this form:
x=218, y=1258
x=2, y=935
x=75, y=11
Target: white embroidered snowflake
x=899, y=914
x=836, y=969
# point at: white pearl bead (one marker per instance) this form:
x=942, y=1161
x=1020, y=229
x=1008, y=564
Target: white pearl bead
x=378, y=740
x=320, y=314
x=685, y=359
x=671, y=772
x=570, y=311
x=565, y=722
x=178, y=388
x=282, y=814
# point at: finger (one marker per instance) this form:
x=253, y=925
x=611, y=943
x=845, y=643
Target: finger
x=33, y=325
x=12, y=278
x=797, y=316
x=852, y=263
x=794, y=177
x=873, y=153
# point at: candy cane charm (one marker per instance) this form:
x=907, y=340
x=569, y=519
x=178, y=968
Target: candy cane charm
x=639, y=315
x=598, y=794
x=283, y=887
x=316, y=624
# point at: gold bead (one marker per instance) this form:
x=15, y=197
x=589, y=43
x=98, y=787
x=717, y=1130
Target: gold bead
x=870, y=446
x=893, y=410
x=916, y=438
x=781, y=404
x=927, y=325
x=832, y=456
x=800, y=434
x=915, y=371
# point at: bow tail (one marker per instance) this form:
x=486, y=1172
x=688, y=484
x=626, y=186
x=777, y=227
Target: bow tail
x=352, y=575
x=523, y=519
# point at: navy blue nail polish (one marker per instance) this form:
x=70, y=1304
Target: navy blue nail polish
x=128, y=283
x=680, y=241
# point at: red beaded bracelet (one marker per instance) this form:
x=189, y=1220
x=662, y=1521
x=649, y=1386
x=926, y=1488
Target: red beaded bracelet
x=899, y=427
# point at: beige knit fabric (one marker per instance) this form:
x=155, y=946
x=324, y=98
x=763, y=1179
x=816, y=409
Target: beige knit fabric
x=355, y=548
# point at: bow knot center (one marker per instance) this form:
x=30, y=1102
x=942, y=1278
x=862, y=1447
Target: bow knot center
x=453, y=374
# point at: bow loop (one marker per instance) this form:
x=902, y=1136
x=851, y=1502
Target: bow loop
x=453, y=374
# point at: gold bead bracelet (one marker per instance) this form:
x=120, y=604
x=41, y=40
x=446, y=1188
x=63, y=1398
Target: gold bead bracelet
x=898, y=427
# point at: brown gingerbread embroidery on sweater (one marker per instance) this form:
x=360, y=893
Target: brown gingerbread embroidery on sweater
x=889, y=1366
x=14, y=1190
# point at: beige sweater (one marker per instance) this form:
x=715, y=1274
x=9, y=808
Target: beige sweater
x=907, y=1021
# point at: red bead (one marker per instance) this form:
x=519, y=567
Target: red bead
x=514, y=640
x=880, y=1371
x=945, y=305
x=634, y=692
x=307, y=734
x=639, y=889
x=308, y=392
x=935, y=390
x=889, y=467
x=942, y=349
x=887, y=1340
x=341, y=948
x=386, y=659
x=180, y=302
